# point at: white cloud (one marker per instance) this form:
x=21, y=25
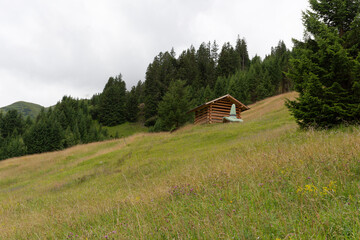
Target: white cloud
x=53, y=48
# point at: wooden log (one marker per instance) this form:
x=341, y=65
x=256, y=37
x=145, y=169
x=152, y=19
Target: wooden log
x=201, y=115
x=217, y=121
x=219, y=118
x=222, y=113
x=201, y=119
x=202, y=122
x=221, y=110
x=222, y=105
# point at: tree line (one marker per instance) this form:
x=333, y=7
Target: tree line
x=206, y=73
x=172, y=86
x=66, y=124
x=324, y=69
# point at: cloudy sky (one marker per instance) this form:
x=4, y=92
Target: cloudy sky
x=49, y=49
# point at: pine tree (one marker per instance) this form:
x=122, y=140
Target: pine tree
x=188, y=69
x=12, y=121
x=214, y=52
x=325, y=67
x=220, y=87
x=174, y=106
x=112, y=102
x=243, y=60
x=208, y=94
x=152, y=89
x=254, y=77
x=45, y=134
x=206, y=66
x=13, y=147
x=228, y=61
x=131, y=105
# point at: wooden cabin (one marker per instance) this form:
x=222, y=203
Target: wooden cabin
x=214, y=110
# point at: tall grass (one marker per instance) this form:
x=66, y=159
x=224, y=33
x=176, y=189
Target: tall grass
x=262, y=179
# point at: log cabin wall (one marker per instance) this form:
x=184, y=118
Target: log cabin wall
x=201, y=116
x=214, y=112
x=220, y=109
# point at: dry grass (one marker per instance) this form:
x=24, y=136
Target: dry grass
x=237, y=181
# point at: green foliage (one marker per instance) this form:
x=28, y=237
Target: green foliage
x=45, y=135
x=242, y=54
x=325, y=66
x=174, y=106
x=64, y=125
x=132, y=105
x=11, y=122
x=228, y=61
x=125, y=130
x=111, y=110
x=210, y=74
x=206, y=67
x=13, y=146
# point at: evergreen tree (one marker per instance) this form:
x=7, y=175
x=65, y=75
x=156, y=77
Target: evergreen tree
x=174, y=106
x=243, y=60
x=280, y=55
x=188, y=68
x=220, y=87
x=45, y=134
x=12, y=147
x=208, y=94
x=206, y=66
x=112, y=102
x=139, y=92
x=70, y=139
x=228, y=61
x=214, y=52
x=152, y=89
x=325, y=66
x=254, y=78
x=10, y=122
x=131, y=105
x=238, y=86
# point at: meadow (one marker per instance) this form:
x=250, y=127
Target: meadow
x=263, y=179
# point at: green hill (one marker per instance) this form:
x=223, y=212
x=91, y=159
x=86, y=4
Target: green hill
x=25, y=108
x=263, y=179
x=125, y=129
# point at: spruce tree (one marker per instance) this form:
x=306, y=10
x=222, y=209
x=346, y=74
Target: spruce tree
x=243, y=59
x=112, y=102
x=174, y=106
x=131, y=105
x=228, y=61
x=325, y=67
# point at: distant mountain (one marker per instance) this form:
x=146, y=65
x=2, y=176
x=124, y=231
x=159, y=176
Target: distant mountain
x=25, y=108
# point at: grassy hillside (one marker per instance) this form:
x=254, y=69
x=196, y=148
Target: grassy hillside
x=263, y=179
x=126, y=129
x=25, y=108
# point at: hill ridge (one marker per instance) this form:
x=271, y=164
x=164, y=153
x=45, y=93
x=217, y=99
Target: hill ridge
x=25, y=108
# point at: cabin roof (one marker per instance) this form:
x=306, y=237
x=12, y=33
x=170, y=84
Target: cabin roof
x=239, y=104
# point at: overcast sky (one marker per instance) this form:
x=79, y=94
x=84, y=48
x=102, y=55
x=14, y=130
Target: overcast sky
x=49, y=49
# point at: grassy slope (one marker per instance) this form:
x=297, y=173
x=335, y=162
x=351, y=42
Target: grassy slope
x=26, y=108
x=263, y=178
x=126, y=129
